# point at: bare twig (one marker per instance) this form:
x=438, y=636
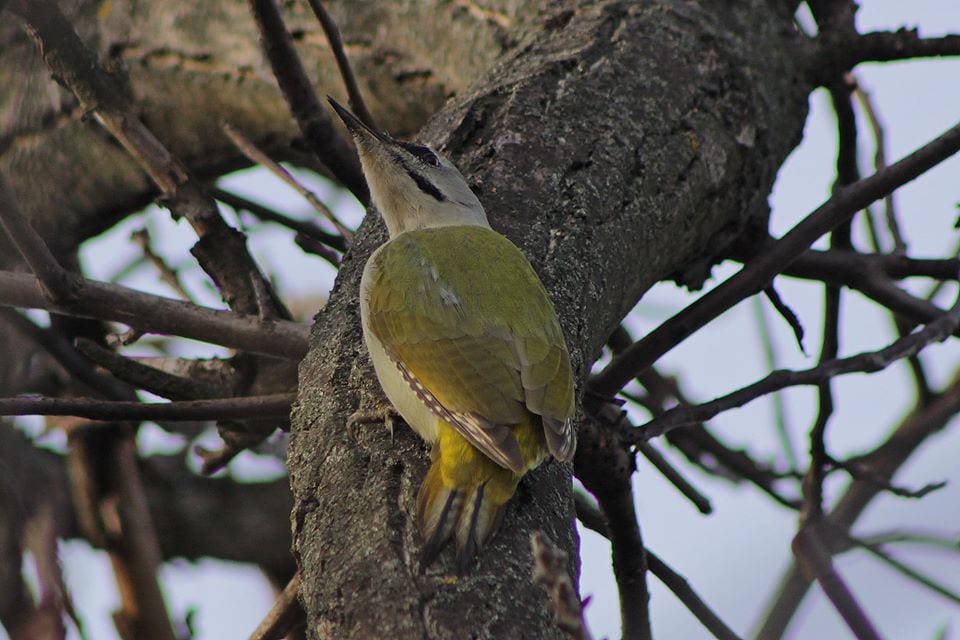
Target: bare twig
x=691, y=493
x=702, y=447
x=250, y=150
x=314, y=122
x=810, y=551
x=771, y=363
x=306, y=228
x=843, y=51
x=864, y=362
x=167, y=273
x=221, y=250
x=310, y=245
x=864, y=473
x=787, y=313
x=879, y=162
x=685, y=594
x=218, y=409
x=840, y=266
x=357, y=104
x=589, y=514
x=901, y=567
x=68, y=357
x=135, y=545
x=53, y=278
x=284, y=615
x=145, y=377
x=550, y=571
x=156, y=314
x=885, y=460
x=760, y=271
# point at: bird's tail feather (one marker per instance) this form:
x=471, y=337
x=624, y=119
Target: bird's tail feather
x=468, y=514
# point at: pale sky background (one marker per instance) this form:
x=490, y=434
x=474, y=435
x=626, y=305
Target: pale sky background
x=733, y=557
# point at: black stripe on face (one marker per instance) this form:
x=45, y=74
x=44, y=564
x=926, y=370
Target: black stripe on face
x=426, y=186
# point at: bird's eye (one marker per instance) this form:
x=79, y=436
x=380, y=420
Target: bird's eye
x=422, y=153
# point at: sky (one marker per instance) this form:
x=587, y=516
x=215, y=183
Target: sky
x=733, y=557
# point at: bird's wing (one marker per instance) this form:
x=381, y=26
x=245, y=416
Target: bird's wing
x=480, y=348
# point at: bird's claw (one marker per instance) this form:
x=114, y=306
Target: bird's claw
x=386, y=415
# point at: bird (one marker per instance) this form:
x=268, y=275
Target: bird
x=464, y=340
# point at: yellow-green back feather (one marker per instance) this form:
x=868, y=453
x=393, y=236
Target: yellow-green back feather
x=463, y=311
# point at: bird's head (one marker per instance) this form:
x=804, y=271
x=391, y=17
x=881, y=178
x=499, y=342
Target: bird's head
x=411, y=185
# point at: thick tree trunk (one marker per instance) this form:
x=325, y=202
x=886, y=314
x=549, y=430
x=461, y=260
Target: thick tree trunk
x=190, y=66
x=618, y=143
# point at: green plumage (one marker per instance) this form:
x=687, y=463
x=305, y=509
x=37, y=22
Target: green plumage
x=461, y=314
x=463, y=309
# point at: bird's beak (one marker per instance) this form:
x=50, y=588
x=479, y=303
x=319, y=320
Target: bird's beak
x=355, y=126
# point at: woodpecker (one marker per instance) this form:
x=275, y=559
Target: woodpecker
x=464, y=341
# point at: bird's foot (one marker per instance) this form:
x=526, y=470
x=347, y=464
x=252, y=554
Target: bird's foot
x=383, y=414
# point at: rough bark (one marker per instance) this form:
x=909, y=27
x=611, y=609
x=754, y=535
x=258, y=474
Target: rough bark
x=189, y=66
x=618, y=143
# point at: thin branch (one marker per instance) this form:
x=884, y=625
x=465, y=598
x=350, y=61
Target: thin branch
x=810, y=551
x=246, y=146
x=67, y=356
x=885, y=460
x=901, y=567
x=135, y=544
x=843, y=51
x=589, y=514
x=276, y=405
x=787, y=314
x=699, y=445
x=156, y=314
x=314, y=122
x=868, y=362
x=758, y=273
x=54, y=279
x=142, y=376
x=685, y=594
x=864, y=473
x=167, y=273
x=771, y=363
x=691, y=493
x=284, y=615
x=311, y=246
x=839, y=266
x=357, y=104
x=879, y=162
x=221, y=250
x=936, y=540
x=306, y=228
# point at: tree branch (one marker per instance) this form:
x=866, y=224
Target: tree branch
x=53, y=278
x=277, y=405
x=314, y=122
x=760, y=271
x=357, y=105
x=842, y=51
x=156, y=314
x=885, y=460
x=869, y=361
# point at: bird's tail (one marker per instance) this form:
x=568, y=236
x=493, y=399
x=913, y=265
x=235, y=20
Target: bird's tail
x=465, y=507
